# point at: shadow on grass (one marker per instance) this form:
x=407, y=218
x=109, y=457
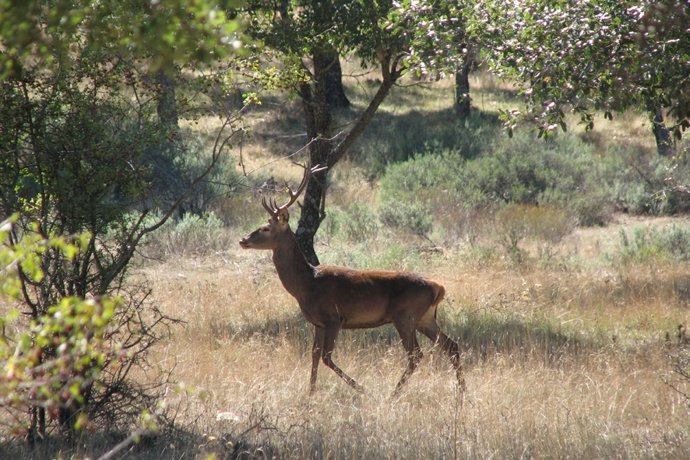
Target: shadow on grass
x=292, y=326
x=481, y=336
x=391, y=137
x=394, y=137
x=171, y=442
x=298, y=331
x=484, y=335
x=96, y=443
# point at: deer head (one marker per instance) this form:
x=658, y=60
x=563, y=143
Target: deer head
x=268, y=236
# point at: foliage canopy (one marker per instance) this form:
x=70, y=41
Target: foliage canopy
x=592, y=55
x=165, y=32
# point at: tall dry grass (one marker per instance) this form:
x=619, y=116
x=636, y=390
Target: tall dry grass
x=569, y=363
x=568, y=357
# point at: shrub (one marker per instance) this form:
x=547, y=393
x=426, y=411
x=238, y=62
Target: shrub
x=405, y=137
x=82, y=171
x=648, y=244
x=176, y=164
x=361, y=222
x=55, y=362
x=357, y=223
x=432, y=180
x=559, y=173
x=332, y=225
x=515, y=222
x=408, y=216
x=656, y=185
x=191, y=235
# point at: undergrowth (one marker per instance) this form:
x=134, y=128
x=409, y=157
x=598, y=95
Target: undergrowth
x=646, y=245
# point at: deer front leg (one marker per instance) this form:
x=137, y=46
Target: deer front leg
x=316, y=352
x=331, y=333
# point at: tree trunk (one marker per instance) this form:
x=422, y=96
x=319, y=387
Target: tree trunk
x=37, y=426
x=318, y=118
x=167, y=105
x=665, y=145
x=333, y=78
x=462, y=85
x=312, y=214
x=323, y=151
x=462, y=90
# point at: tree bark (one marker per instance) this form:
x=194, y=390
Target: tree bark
x=462, y=92
x=323, y=151
x=333, y=78
x=312, y=214
x=318, y=118
x=167, y=105
x=462, y=88
x=665, y=146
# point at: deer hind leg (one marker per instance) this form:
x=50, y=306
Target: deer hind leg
x=316, y=352
x=430, y=328
x=408, y=335
x=330, y=334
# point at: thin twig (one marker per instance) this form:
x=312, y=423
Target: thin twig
x=297, y=152
x=127, y=442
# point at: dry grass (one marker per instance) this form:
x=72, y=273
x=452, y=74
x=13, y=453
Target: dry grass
x=567, y=360
x=570, y=363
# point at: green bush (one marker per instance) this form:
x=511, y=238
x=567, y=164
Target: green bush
x=332, y=225
x=192, y=235
x=562, y=172
x=401, y=138
x=53, y=363
x=374, y=255
x=176, y=164
x=652, y=244
x=433, y=179
x=357, y=223
x=408, y=216
x=515, y=222
x=361, y=222
x=80, y=170
x=656, y=185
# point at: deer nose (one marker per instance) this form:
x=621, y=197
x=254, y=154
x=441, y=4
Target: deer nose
x=244, y=243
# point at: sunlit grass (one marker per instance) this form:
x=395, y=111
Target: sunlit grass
x=568, y=362
x=565, y=356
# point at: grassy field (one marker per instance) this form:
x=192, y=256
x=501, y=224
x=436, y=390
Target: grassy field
x=569, y=352
x=574, y=361
x=569, y=349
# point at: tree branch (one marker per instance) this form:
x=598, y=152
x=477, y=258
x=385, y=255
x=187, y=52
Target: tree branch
x=366, y=117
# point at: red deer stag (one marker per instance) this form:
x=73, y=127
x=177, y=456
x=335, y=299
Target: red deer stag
x=335, y=298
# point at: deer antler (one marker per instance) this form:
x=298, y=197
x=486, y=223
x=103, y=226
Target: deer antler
x=272, y=207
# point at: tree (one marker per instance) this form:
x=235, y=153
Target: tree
x=46, y=33
x=395, y=37
x=586, y=56
x=463, y=102
x=78, y=162
x=335, y=91
x=81, y=124
x=33, y=381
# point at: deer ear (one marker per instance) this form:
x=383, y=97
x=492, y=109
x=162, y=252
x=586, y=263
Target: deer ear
x=283, y=215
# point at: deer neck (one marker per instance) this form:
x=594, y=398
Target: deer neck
x=294, y=271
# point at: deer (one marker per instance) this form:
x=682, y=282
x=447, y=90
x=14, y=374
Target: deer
x=333, y=298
